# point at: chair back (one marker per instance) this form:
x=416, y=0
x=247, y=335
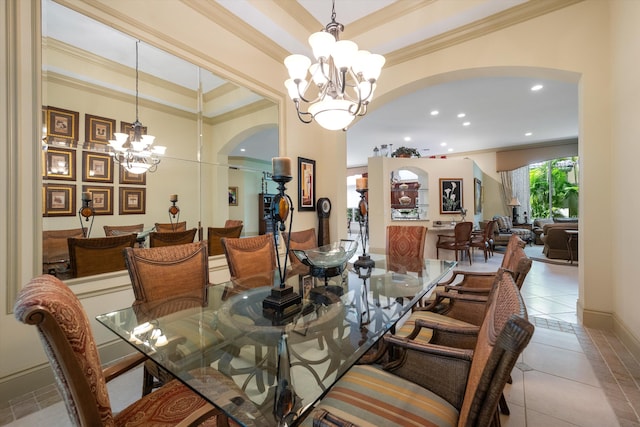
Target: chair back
x=405, y=248
x=168, y=271
x=514, y=242
x=116, y=230
x=170, y=238
x=65, y=332
x=302, y=240
x=214, y=234
x=518, y=265
x=233, y=223
x=249, y=256
x=98, y=254
x=462, y=232
x=504, y=334
x=169, y=227
x=55, y=249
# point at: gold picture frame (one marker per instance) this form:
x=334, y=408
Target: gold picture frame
x=98, y=130
x=127, y=177
x=59, y=163
x=233, y=196
x=132, y=201
x=62, y=123
x=101, y=199
x=58, y=200
x=97, y=167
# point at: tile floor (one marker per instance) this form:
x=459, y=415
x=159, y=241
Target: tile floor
x=569, y=375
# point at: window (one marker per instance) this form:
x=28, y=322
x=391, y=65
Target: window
x=561, y=176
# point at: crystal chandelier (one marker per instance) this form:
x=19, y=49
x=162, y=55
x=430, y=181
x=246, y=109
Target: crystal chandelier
x=136, y=155
x=344, y=76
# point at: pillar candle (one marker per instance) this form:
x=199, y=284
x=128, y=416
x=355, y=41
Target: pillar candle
x=86, y=196
x=362, y=183
x=173, y=198
x=281, y=166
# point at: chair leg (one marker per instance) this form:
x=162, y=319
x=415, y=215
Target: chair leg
x=147, y=382
x=504, y=408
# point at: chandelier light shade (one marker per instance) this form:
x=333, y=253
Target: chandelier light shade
x=136, y=154
x=344, y=78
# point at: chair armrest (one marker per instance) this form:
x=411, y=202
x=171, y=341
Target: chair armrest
x=470, y=275
x=323, y=418
x=123, y=365
x=442, y=370
x=467, y=289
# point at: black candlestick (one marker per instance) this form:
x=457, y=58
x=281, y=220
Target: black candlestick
x=86, y=212
x=364, y=264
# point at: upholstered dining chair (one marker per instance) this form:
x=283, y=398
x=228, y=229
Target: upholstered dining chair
x=166, y=273
x=405, y=248
x=52, y=307
x=482, y=239
x=169, y=227
x=459, y=242
x=214, y=234
x=302, y=240
x=55, y=251
x=432, y=384
x=171, y=237
x=116, y=230
x=250, y=256
x=98, y=254
x=233, y=223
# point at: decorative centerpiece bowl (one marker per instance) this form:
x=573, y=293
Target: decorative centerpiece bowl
x=328, y=260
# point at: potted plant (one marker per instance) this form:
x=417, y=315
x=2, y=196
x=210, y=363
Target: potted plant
x=405, y=152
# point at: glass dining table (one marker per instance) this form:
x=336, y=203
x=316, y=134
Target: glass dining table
x=263, y=369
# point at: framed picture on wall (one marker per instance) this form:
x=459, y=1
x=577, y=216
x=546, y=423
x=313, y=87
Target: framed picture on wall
x=127, y=177
x=62, y=123
x=233, y=196
x=98, y=129
x=450, y=195
x=477, y=195
x=97, y=167
x=126, y=127
x=59, y=163
x=59, y=200
x=306, y=184
x=132, y=200
x=101, y=199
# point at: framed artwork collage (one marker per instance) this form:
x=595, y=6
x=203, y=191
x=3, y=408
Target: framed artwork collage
x=63, y=180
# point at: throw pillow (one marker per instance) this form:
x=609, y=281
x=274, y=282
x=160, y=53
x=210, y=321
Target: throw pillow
x=509, y=222
x=503, y=226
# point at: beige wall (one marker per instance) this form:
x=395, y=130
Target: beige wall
x=576, y=43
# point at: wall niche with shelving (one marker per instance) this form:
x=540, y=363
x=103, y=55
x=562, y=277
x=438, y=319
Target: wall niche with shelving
x=409, y=195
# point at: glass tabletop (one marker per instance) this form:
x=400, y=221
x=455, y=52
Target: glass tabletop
x=264, y=370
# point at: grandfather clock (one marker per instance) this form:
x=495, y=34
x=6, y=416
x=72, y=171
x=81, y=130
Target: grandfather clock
x=323, y=208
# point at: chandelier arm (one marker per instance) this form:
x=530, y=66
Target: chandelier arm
x=302, y=115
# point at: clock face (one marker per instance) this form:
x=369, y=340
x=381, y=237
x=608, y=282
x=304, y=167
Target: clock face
x=324, y=207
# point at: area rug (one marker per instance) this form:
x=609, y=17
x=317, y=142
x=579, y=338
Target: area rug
x=535, y=253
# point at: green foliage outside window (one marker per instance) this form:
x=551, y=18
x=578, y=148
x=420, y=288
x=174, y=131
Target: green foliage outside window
x=565, y=188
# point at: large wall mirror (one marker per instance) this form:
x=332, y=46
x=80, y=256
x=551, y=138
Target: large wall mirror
x=219, y=137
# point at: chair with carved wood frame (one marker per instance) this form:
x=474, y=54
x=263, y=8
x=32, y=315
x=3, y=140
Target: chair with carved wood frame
x=170, y=238
x=215, y=234
x=441, y=384
x=98, y=255
x=300, y=240
x=482, y=239
x=459, y=242
x=65, y=332
x=405, y=248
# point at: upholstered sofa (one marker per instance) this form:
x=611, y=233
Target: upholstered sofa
x=538, y=223
x=555, y=240
x=503, y=229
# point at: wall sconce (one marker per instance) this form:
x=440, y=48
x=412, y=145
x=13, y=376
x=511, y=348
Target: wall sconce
x=86, y=212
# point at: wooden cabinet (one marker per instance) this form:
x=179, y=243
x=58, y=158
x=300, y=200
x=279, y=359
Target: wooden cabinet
x=265, y=225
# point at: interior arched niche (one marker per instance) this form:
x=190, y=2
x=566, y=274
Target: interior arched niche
x=89, y=68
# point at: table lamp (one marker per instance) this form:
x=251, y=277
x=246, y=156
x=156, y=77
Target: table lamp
x=514, y=203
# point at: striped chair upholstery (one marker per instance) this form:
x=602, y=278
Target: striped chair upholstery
x=434, y=385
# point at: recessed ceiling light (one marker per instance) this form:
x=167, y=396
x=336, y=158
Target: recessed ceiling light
x=528, y=134
x=461, y=115
x=243, y=150
x=450, y=150
x=536, y=88
x=407, y=138
x=443, y=144
x=435, y=112
x=466, y=123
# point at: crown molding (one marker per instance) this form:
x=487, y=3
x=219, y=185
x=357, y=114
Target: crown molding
x=493, y=23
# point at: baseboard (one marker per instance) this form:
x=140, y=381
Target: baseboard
x=42, y=375
x=627, y=338
x=609, y=322
x=596, y=319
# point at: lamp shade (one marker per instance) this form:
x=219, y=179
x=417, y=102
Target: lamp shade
x=514, y=202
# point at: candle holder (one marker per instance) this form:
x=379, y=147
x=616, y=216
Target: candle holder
x=87, y=212
x=283, y=301
x=364, y=263
x=174, y=212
